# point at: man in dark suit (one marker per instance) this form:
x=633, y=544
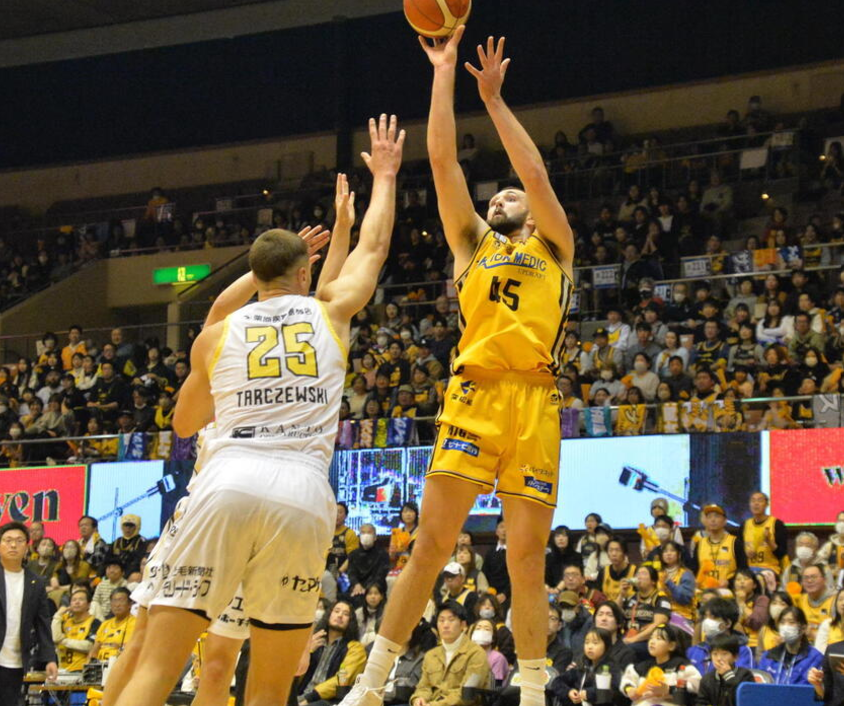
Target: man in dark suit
x=24, y=617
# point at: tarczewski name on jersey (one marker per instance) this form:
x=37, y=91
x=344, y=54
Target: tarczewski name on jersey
x=282, y=395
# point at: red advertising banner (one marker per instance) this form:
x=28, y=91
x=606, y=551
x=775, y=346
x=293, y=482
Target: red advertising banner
x=54, y=495
x=807, y=475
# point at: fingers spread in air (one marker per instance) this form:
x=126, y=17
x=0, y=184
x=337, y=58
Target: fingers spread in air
x=373, y=129
x=382, y=127
x=391, y=132
x=482, y=56
x=499, y=53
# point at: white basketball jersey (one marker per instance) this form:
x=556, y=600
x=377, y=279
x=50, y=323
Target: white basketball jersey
x=277, y=379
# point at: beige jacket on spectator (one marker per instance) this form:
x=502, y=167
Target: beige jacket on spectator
x=443, y=685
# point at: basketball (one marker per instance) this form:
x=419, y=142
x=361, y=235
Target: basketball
x=437, y=18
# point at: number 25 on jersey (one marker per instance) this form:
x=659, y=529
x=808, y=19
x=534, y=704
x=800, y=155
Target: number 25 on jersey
x=299, y=355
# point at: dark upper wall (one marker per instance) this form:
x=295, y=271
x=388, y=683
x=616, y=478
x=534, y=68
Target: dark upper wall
x=318, y=78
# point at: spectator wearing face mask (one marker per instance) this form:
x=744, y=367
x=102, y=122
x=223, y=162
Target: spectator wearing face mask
x=720, y=616
x=642, y=377
x=482, y=633
x=806, y=547
x=72, y=567
x=609, y=383
x=576, y=622
x=791, y=662
x=14, y=454
x=664, y=531
x=643, y=343
x=599, y=558
x=652, y=538
x=767, y=637
x=368, y=564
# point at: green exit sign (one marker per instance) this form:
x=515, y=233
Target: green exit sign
x=180, y=275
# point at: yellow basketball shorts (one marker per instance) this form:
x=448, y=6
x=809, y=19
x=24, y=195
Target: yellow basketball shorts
x=501, y=430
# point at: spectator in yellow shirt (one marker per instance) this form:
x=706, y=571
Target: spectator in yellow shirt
x=75, y=344
x=116, y=632
x=816, y=601
x=344, y=543
x=73, y=631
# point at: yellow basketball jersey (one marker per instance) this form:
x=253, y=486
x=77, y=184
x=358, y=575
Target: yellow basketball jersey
x=513, y=299
x=718, y=558
x=611, y=587
x=816, y=613
x=71, y=660
x=113, y=636
x=759, y=554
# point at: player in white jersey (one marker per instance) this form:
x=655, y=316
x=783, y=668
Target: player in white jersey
x=262, y=511
x=231, y=628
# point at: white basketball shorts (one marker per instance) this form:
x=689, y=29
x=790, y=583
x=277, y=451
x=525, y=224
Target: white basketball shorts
x=263, y=519
x=232, y=622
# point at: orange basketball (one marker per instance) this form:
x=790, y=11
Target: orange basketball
x=437, y=18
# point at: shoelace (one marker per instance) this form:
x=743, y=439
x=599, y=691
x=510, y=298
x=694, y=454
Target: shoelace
x=359, y=689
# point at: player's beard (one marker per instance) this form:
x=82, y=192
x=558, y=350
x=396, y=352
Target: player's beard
x=508, y=225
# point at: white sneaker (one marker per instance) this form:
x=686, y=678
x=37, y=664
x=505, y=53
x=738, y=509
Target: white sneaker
x=361, y=695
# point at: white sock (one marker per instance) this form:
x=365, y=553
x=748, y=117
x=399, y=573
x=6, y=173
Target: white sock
x=533, y=676
x=383, y=655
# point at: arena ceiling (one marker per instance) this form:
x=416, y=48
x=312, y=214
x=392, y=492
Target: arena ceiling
x=27, y=18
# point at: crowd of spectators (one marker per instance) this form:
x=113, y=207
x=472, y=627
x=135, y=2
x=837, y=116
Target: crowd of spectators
x=704, y=612
x=667, y=226
x=683, y=347
x=80, y=387
x=660, y=622
x=767, y=336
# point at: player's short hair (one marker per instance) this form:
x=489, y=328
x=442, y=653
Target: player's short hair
x=275, y=253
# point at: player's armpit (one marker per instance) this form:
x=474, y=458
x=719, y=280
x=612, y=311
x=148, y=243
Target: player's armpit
x=462, y=225
x=545, y=208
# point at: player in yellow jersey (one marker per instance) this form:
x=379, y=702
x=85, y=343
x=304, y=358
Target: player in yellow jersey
x=499, y=427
